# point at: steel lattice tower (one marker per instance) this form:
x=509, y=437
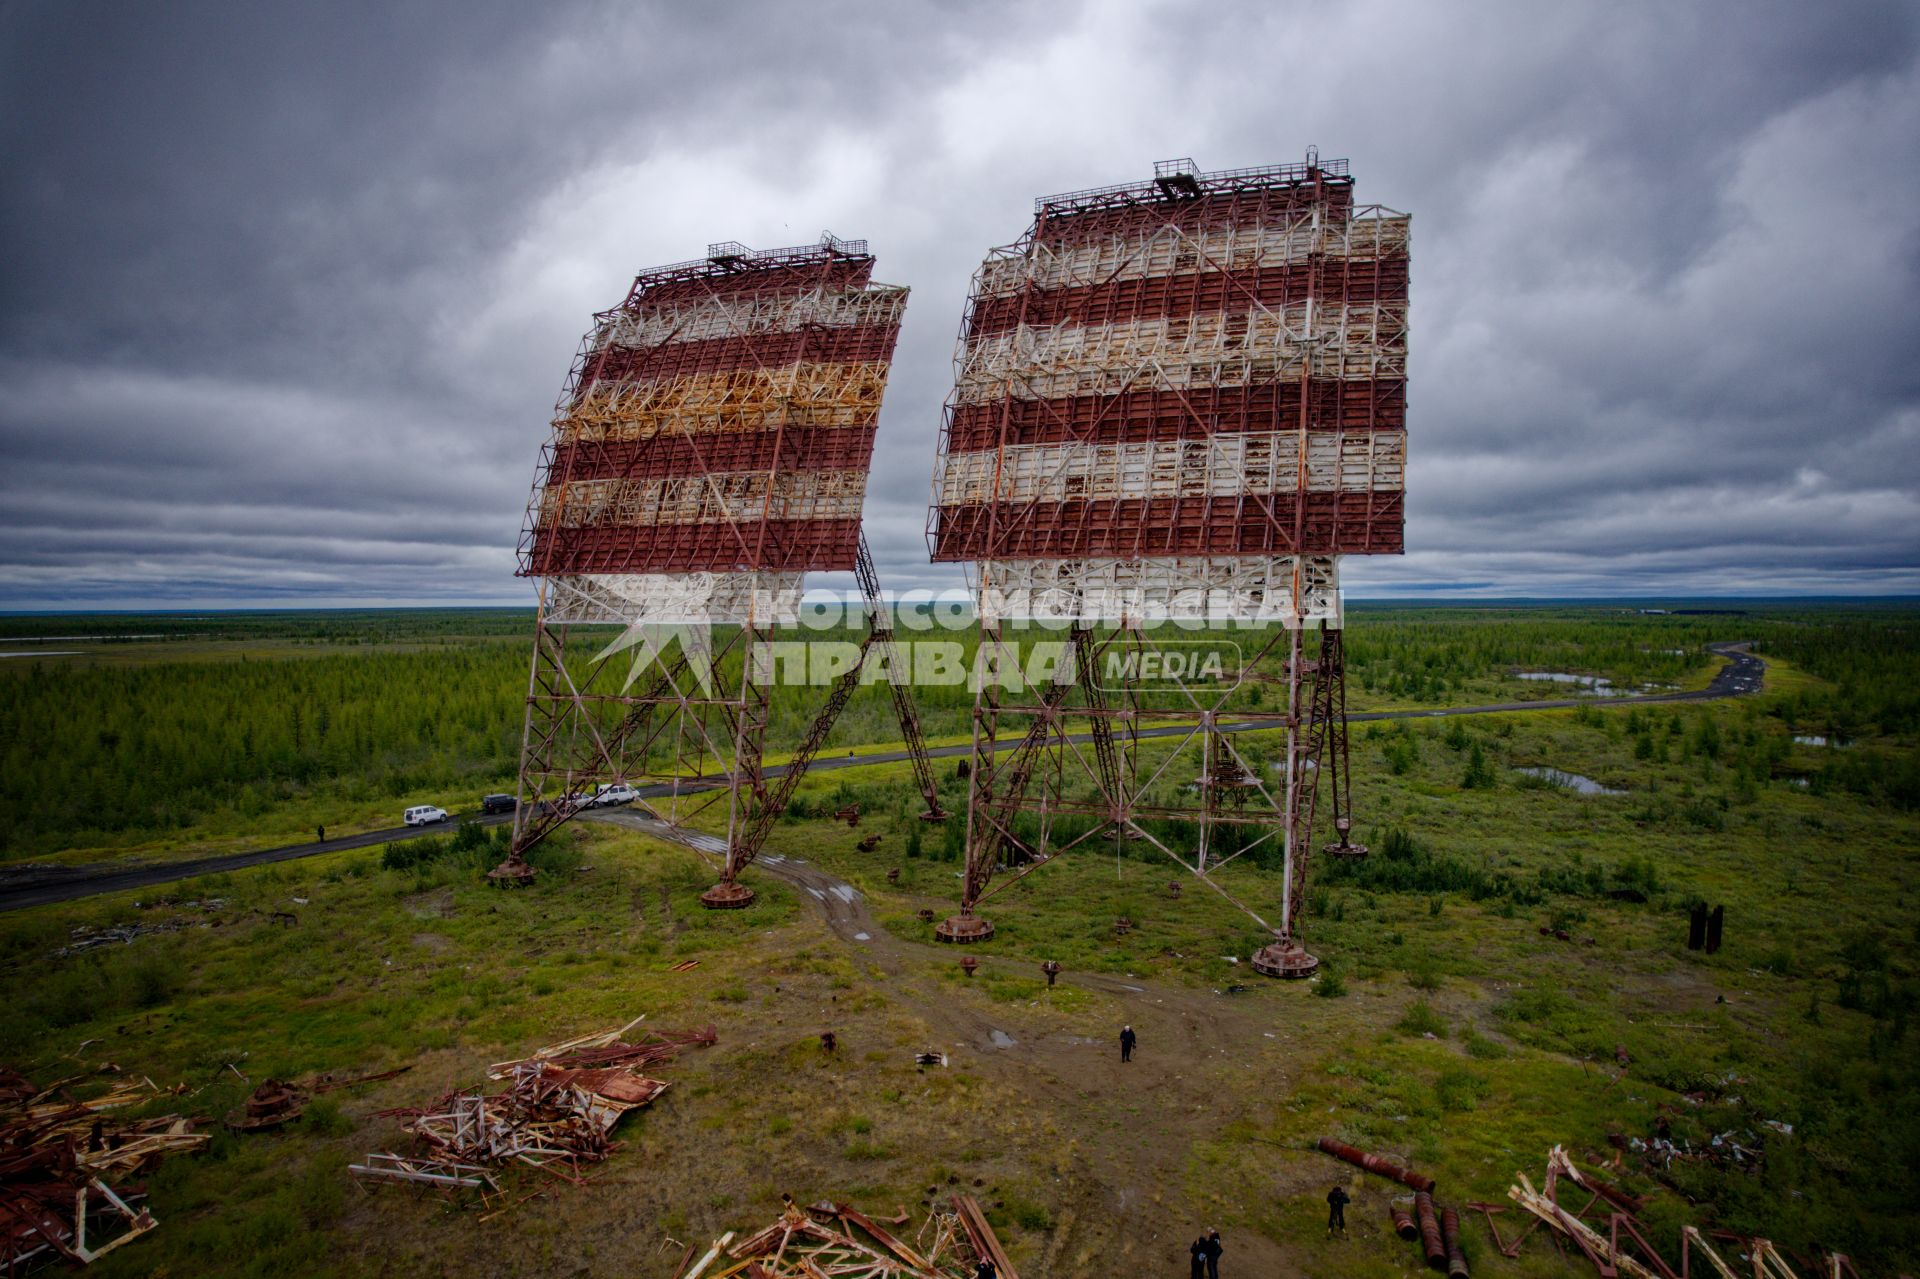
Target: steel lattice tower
x=710, y=448
x=1175, y=399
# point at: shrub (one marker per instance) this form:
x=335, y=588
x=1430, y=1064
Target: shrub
x=1459, y=1089
x=1420, y=1019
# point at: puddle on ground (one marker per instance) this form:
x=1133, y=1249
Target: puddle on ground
x=1821, y=739
x=1598, y=685
x=1570, y=781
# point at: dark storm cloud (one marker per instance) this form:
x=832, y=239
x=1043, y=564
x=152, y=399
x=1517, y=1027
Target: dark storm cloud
x=291, y=293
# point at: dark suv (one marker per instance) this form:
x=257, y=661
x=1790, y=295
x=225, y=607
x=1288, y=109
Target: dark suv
x=498, y=803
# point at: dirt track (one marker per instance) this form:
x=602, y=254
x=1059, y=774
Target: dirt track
x=1186, y=1035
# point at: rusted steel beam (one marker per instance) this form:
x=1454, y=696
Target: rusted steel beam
x=1450, y=1234
x=1177, y=296
x=1432, y=1243
x=799, y=448
x=980, y=1234
x=1367, y=523
x=790, y=544
x=1145, y=416
x=1376, y=1164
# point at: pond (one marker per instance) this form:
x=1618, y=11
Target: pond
x=1598, y=685
x=1570, y=781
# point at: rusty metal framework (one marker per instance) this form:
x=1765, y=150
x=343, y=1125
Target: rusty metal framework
x=710, y=448
x=1180, y=400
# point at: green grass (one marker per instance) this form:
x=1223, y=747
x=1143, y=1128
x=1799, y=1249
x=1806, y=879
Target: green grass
x=1438, y=933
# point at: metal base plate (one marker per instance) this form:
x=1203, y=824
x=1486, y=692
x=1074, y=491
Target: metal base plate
x=1341, y=848
x=727, y=895
x=963, y=930
x=1284, y=959
x=511, y=873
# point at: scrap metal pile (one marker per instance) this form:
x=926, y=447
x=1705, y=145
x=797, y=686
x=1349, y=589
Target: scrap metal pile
x=835, y=1239
x=56, y=1156
x=557, y=1112
x=1608, y=1233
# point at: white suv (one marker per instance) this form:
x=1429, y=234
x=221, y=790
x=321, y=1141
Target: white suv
x=424, y=815
x=608, y=795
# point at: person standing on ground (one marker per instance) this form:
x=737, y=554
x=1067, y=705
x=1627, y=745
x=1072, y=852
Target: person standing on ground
x=1197, y=1258
x=322, y=833
x=1337, y=1201
x=1127, y=1041
x=1214, y=1249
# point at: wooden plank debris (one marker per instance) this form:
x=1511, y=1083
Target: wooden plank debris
x=55, y=1156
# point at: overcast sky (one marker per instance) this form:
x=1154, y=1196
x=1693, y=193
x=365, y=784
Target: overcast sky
x=290, y=290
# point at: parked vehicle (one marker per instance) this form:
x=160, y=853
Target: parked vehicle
x=613, y=793
x=424, y=815
x=498, y=803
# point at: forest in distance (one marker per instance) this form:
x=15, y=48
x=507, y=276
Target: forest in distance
x=166, y=727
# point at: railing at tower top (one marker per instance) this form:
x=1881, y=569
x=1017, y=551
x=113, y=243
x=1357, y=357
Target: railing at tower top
x=1184, y=175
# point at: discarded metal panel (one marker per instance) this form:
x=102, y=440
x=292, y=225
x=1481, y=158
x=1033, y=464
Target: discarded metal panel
x=441, y=1173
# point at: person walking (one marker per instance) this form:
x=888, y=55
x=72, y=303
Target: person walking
x=1214, y=1249
x=1197, y=1258
x=1337, y=1201
x=1127, y=1041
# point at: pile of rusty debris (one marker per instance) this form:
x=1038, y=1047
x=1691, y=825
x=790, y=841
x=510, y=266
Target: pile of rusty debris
x=56, y=1158
x=1606, y=1230
x=557, y=1112
x=278, y=1102
x=835, y=1239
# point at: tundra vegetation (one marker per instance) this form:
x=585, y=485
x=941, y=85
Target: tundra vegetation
x=1451, y=1024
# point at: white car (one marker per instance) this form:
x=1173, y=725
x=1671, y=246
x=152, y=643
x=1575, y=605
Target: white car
x=424, y=815
x=606, y=796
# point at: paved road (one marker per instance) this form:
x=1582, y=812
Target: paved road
x=42, y=885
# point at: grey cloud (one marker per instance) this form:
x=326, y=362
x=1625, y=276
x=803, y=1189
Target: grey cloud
x=299, y=289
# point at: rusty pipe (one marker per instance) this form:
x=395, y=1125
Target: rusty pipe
x=1456, y=1253
x=1377, y=1164
x=1402, y=1222
x=1430, y=1240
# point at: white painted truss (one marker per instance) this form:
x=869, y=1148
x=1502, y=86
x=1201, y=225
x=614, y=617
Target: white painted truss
x=711, y=318
x=675, y=598
x=1351, y=341
x=1288, y=590
x=1167, y=250
x=1253, y=463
